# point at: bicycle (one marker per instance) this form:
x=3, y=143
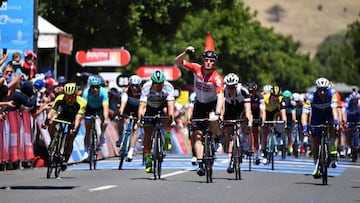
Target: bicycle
x=126, y=138
x=93, y=141
x=354, y=141
x=272, y=145
x=296, y=135
x=157, y=140
x=237, y=146
x=56, y=147
x=323, y=161
x=209, y=148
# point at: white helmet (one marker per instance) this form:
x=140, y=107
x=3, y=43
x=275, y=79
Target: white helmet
x=134, y=80
x=267, y=89
x=296, y=97
x=231, y=79
x=322, y=82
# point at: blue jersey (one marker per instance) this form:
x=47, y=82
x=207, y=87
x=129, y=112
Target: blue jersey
x=96, y=102
x=321, y=110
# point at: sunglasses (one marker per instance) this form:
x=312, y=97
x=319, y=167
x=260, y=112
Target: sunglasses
x=9, y=71
x=158, y=84
x=322, y=89
x=95, y=86
x=231, y=87
x=209, y=60
x=134, y=85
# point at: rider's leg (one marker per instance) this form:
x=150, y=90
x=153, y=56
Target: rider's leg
x=147, y=147
x=132, y=144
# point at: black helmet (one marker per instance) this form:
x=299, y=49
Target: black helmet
x=252, y=86
x=210, y=54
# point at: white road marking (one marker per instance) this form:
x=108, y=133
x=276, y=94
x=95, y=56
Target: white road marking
x=105, y=187
x=174, y=173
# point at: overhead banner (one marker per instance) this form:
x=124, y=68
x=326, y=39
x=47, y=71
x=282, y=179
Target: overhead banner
x=171, y=73
x=103, y=57
x=17, y=25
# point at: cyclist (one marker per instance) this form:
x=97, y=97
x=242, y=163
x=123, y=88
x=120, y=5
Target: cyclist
x=67, y=107
x=258, y=113
x=322, y=104
x=157, y=95
x=353, y=115
x=97, y=98
x=237, y=106
x=272, y=101
x=209, y=88
x=129, y=106
x=290, y=114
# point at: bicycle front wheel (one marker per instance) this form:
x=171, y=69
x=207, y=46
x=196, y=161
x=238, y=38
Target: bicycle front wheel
x=158, y=155
x=236, y=157
x=208, y=159
x=323, y=161
x=93, y=154
x=123, y=150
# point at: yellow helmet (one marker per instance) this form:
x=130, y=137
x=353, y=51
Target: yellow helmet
x=70, y=88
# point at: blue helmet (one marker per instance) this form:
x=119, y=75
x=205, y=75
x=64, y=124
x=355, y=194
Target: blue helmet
x=93, y=80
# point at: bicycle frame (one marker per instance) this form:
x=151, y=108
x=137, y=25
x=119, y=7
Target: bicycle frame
x=209, y=149
x=157, y=140
x=237, y=147
x=296, y=135
x=272, y=145
x=93, y=140
x=354, y=141
x=126, y=138
x=323, y=154
x=56, y=147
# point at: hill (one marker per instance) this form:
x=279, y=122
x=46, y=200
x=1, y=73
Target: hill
x=308, y=21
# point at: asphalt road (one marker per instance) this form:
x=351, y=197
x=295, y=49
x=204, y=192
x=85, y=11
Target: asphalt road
x=291, y=181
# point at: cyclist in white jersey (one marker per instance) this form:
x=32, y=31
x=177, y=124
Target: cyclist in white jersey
x=209, y=88
x=237, y=106
x=157, y=95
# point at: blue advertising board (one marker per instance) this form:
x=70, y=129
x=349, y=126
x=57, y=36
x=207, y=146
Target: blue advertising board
x=17, y=26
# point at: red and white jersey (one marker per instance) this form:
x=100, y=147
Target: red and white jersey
x=206, y=88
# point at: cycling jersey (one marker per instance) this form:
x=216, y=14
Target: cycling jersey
x=256, y=101
x=68, y=112
x=234, y=105
x=96, y=102
x=272, y=103
x=206, y=88
x=352, y=105
x=132, y=99
x=289, y=106
x=321, y=110
x=157, y=99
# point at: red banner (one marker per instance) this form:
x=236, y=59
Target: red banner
x=103, y=57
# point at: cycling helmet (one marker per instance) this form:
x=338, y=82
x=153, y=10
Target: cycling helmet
x=93, y=80
x=267, y=89
x=39, y=83
x=275, y=90
x=134, y=80
x=287, y=94
x=231, y=79
x=61, y=80
x=296, y=97
x=322, y=82
x=158, y=76
x=70, y=88
x=209, y=54
x=252, y=86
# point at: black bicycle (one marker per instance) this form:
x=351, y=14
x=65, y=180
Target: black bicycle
x=56, y=147
x=237, y=146
x=354, y=141
x=126, y=138
x=209, y=147
x=157, y=140
x=272, y=145
x=93, y=141
x=323, y=161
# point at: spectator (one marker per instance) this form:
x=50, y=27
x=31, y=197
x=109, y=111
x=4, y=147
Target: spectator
x=28, y=66
x=16, y=61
